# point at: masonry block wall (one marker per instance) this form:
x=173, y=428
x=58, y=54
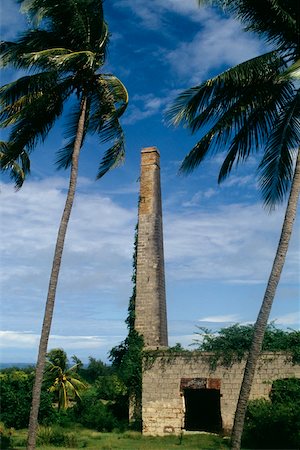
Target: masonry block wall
x=163, y=405
x=150, y=310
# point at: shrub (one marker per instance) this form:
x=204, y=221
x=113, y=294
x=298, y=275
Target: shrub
x=275, y=424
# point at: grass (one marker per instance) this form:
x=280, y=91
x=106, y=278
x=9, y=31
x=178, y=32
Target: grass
x=92, y=440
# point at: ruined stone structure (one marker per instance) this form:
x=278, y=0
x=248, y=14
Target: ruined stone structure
x=150, y=310
x=181, y=391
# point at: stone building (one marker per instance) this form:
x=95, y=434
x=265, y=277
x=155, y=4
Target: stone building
x=182, y=391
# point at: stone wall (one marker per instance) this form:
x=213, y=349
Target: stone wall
x=164, y=381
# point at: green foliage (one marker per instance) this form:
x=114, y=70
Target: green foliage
x=232, y=344
x=275, y=424
x=16, y=391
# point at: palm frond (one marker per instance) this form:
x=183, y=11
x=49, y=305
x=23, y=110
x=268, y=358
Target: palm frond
x=113, y=157
x=30, y=125
x=18, y=168
x=16, y=95
x=255, y=131
x=220, y=91
x=276, y=168
x=244, y=122
x=80, y=23
x=12, y=53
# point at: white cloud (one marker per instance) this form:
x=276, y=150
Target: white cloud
x=220, y=319
x=220, y=42
x=96, y=266
x=235, y=244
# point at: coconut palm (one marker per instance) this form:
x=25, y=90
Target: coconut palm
x=63, y=55
x=251, y=108
x=63, y=380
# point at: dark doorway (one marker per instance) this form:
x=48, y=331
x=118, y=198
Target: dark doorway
x=202, y=410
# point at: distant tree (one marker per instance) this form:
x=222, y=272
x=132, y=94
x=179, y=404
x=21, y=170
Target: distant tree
x=254, y=107
x=65, y=52
x=95, y=369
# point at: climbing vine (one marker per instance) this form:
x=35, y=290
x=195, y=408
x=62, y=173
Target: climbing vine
x=127, y=356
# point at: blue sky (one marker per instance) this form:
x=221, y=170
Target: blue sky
x=219, y=241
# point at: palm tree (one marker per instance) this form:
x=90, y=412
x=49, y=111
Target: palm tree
x=63, y=54
x=251, y=108
x=63, y=380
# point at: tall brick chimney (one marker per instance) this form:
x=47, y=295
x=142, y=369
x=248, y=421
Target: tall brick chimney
x=150, y=306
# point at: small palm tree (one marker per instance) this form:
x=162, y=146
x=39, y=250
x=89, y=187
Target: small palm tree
x=64, y=381
x=254, y=107
x=64, y=54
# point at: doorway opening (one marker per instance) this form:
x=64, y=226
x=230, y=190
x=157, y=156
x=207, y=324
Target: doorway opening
x=202, y=410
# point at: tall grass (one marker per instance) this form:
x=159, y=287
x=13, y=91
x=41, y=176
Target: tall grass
x=52, y=438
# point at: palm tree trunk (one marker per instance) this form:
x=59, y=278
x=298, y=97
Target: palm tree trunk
x=264, y=313
x=36, y=394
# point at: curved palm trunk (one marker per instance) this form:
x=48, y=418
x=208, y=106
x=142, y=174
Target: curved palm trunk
x=36, y=394
x=263, y=316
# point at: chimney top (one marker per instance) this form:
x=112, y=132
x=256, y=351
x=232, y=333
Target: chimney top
x=150, y=150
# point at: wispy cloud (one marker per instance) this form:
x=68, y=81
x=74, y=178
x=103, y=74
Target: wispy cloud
x=142, y=107
x=152, y=13
x=229, y=318
x=233, y=244
x=16, y=346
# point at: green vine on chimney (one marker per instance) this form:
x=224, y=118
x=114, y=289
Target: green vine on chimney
x=127, y=356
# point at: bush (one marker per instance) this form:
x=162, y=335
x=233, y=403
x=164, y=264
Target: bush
x=275, y=424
